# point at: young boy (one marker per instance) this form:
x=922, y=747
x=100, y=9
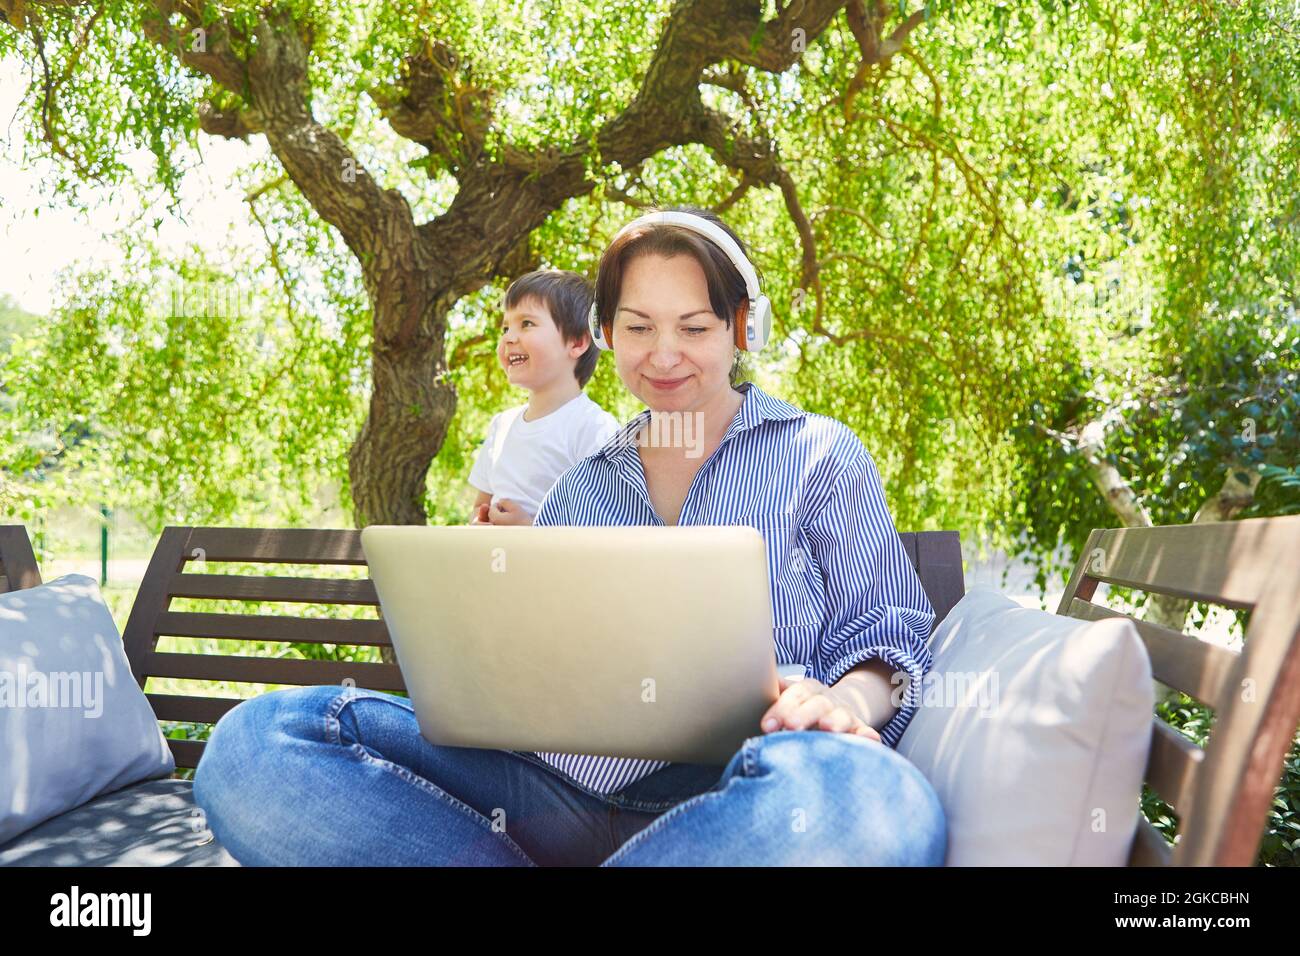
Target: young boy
x=546, y=348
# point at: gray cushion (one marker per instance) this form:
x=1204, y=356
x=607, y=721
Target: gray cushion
x=153, y=823
x=74, y=723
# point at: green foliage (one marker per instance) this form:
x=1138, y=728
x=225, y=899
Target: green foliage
x=14, y=322
x=1037, y=215
x=190, y=392
x=1034, y=218
x=1278, y=492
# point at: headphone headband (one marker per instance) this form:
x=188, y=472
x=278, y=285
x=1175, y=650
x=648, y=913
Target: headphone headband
x=753, y=331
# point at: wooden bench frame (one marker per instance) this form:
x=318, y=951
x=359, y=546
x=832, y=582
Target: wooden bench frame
x=18, y=567
x=936, y=555
x=1222, y=793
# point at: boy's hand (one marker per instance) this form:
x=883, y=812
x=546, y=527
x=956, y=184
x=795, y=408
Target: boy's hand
x=481, y=516
x=506, y=511
x=808, y=704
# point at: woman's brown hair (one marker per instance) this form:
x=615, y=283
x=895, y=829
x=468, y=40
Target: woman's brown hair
x=726, y=286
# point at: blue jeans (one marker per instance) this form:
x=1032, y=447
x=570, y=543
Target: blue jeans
x=340, y=776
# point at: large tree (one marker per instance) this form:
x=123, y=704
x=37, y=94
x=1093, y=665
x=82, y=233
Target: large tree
x=1004, y=242
x=265, y=66
x=1042, y=257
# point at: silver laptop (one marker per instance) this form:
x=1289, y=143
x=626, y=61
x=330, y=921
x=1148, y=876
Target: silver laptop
x=646, y=641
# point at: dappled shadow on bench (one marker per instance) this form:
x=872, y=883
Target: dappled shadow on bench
x=153, y=823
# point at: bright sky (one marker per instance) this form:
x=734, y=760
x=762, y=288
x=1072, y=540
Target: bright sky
x=33, y=248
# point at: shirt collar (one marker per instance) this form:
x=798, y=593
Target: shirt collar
x=758, y=407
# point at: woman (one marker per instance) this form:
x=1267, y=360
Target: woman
x=341, y=776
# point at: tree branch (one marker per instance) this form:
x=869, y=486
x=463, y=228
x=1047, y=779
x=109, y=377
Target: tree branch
x=523, y=187
x=209, y=53
x=774, y=46
x=231, y=124
x=438, y=108
x=867, y=28
x=376, y=224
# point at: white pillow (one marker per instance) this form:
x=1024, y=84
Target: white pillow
x=73, y=721
x=1034, y=730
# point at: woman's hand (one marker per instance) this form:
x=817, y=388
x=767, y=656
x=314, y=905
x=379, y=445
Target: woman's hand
x=808, y=704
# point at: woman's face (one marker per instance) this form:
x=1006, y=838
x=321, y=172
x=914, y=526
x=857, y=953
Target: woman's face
x=670, y=349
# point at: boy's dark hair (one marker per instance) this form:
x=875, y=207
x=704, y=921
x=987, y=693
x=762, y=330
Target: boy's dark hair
x=567, y=296
x=726, y=285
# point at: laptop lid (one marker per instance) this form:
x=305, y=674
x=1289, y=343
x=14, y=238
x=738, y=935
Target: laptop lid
x=643, y=641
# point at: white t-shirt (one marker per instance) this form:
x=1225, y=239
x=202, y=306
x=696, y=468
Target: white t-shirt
x=521, y=460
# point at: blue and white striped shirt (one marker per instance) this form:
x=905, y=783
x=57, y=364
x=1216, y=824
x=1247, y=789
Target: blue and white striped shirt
x=843, y=589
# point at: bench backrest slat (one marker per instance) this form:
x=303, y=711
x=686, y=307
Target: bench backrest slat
x=276, y=545
x=1172, y=764
x=244, y=587
x=1222, y=562
x=176, y=571
x=273, y=627
x=936, y=556
x=275, y=670
x=204, y=710
x=1198, y=668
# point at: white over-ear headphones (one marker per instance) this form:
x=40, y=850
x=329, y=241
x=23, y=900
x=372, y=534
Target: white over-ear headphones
x=753, y=331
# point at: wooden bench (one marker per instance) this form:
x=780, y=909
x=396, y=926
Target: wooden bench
x=1222, y=794
x=935, y=554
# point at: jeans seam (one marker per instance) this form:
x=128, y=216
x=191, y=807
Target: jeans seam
x=338, y=702
x=333, y=730
x=748, y=757
x=645, y=806
x=659, y=822
x=418, y=781
x=748, y=749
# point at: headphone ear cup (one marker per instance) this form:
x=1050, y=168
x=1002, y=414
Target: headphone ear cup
x=758, y=325
x=597, y=330
x=741, y=324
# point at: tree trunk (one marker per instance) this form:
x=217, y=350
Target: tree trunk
x=411, y=403
x=410, y=412
x=411, y=407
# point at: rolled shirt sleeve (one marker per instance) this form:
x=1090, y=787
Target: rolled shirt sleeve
x=876, y=605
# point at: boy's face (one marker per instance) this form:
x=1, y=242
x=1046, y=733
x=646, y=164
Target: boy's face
x=531, y=349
